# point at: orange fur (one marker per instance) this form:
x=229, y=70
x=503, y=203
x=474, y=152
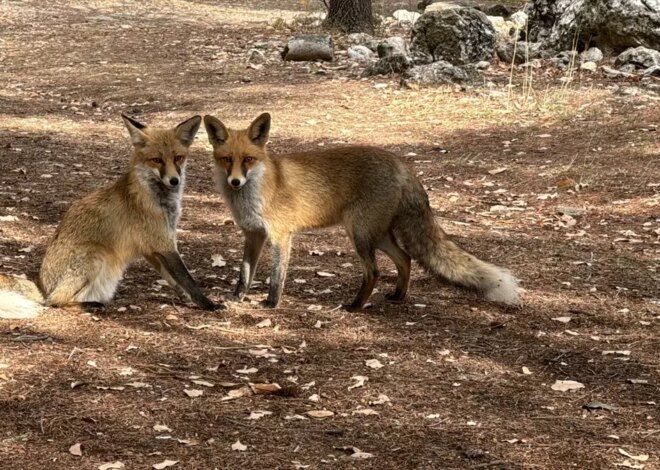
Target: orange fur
x=368, y=190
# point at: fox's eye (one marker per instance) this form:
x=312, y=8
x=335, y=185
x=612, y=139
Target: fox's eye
x=248, y=159
x=158, y=161
x=178, y=158
x=226, y=159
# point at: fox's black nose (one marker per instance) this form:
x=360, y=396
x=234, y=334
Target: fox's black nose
x=235, y=182
x=174, y=181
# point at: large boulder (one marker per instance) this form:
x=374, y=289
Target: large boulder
x=457, y=35
x=392, y=46
x=640, y=57
x=388, y=65
x=612, y=25
x=523, y=51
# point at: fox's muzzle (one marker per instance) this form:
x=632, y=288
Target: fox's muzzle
x=170, y=176
x=236, y=183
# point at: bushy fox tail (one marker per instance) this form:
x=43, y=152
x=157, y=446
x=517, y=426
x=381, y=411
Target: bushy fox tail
x=425, y=241
x=19, y=298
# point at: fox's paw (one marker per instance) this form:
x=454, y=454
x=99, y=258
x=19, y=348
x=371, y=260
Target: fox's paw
x=395, y=297
x=269, y=303
x=93, y=307
x=352, y=307
x=209, y=305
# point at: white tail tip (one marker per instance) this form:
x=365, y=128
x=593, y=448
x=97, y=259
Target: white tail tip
x=505, y=289
x=14, y=306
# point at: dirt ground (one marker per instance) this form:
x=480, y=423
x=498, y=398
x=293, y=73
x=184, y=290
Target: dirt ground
x=463, y=383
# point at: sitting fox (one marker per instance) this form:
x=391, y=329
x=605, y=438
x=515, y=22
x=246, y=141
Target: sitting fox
x=105, y=231
x=367, y=190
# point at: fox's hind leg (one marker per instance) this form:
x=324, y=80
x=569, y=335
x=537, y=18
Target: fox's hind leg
x=89, y=280
x=391, y=248
x=366, y=250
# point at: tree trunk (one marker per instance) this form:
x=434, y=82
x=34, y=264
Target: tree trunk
x=351, y=16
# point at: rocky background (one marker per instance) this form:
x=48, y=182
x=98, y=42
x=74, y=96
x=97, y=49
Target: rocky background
x=455, y=42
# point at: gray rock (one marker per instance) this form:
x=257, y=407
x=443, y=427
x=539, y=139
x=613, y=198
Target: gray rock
x=405, y=17
x=524, y=52
x=641, y=57
x=507, y=31
x=589, y=66
x=565, y=59
x=392, y=46
x=653, y=71
x=628, y=68
x=483, y=65
x=458, y=35
x=608, y=24
x=593, y=54
x=442, y=6
x=440, y=72
x=363, y=39
x=255, y=56
x=360, y=53
x=519, y=18
x=389, y=65
x=614, y=73
x=498, y=10
x=307, y=47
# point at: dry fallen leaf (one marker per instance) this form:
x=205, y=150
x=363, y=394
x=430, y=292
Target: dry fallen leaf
x=562, y=319
x=381, y=400
x=359, y=381
x=639, y=458
x=165, y=464
x=320, y=414
x=356, y=453
x=526, y=371
x=193, y=393
x=238, y=446
x=245, y=370
x=237, y=393
x=218, y=260
x=255, y=415
x=497, y=171
x=112, y=466
x=161, y=428
x=566, y=385
x=618, y=353
x=203, y=383
x=75, y=449
x=324, y=274
x=365, y=411
x=264, y=323
x=265, y=389
x=373, y=363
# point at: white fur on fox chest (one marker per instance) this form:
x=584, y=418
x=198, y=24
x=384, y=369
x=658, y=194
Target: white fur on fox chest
x=246, y=204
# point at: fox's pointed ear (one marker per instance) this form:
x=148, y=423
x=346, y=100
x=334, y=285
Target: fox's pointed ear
x=186, y=131
x=134, y=127
x=216, y=130
x=258, y=130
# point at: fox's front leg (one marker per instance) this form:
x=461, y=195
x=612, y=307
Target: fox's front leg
x=254, y=243
x=281, y=251
x=172, y=264
x=164, y=273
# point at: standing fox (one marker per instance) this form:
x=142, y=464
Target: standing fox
x=368, y=190
x=102, y=233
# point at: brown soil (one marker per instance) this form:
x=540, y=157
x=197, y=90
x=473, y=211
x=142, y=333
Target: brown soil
x=453, y=364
